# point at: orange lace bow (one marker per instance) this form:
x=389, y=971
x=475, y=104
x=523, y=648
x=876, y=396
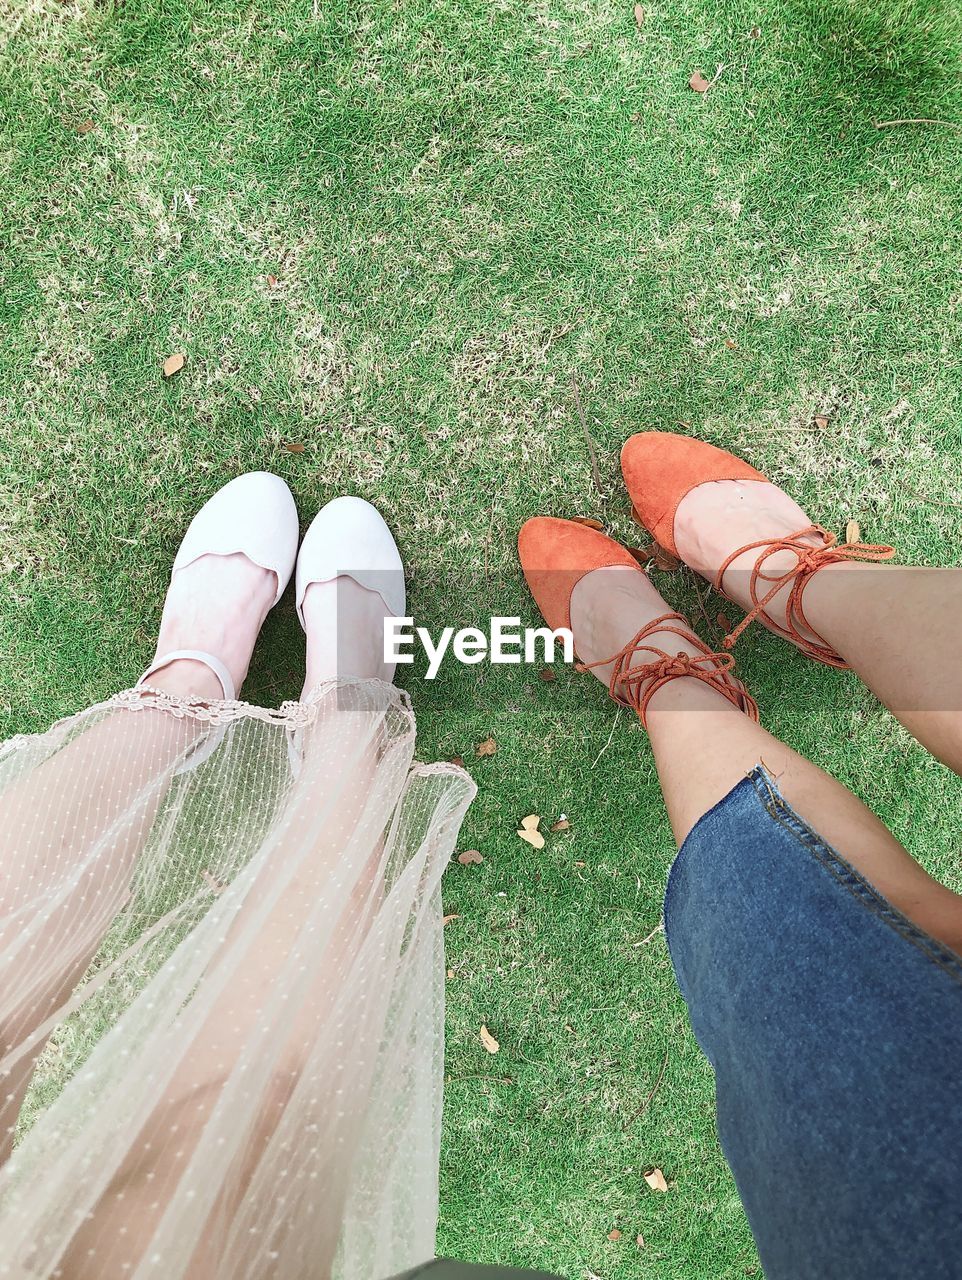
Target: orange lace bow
x=633, y=684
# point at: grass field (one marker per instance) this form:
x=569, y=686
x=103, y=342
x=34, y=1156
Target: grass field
x=392, y=233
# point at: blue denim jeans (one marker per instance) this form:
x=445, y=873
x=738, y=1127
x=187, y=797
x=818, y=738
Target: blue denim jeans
x=834, y=1026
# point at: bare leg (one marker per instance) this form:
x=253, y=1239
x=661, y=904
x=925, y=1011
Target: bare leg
x=899, y=628
x=875, y=616
x=108, y=784
x=341, y=616
x=704, y=746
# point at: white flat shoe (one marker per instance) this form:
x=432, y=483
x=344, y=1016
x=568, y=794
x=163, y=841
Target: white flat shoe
x=254, y=516
x=349, y=537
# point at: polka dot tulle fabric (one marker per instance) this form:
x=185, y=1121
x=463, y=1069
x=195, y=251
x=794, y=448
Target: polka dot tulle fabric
x=221, y=989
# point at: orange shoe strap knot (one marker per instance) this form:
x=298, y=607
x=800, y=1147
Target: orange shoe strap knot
x=808, y=560
x=633, y=683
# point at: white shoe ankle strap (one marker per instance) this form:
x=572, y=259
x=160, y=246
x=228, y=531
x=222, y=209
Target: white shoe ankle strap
x=195, y=655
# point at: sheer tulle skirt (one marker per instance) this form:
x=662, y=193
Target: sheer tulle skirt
x=221, y=988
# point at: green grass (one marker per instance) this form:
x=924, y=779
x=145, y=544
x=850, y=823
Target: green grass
x=464, y=204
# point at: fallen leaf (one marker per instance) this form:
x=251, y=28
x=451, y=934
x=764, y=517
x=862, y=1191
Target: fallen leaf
x=212, y=882
x=173, y=364
x=469, y=856
x=656, y=1180
x=486, y=748
x=820, y=421
x=581, y=864
x=85, y=127
x=448, y=919
x=640, y=1242
x=293, y=447
x=529, y=831
x=615, y=1234
x=754, y=33
x=699, y=83
x=587, y=520
x=731, y=345
x=450, y=973
x=853, y=532
x=458, y=760
x=272, y=281
x=488, y=1040
x=723, y=622
x=561, y=825
x=547, y=675
x=639, y=15
x=665, y=560
x=644, y=555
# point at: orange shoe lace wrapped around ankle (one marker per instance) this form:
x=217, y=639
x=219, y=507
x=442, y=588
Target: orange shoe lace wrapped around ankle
x=809, y=560
x=634, y=684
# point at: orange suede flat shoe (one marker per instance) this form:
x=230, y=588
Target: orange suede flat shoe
x=661, y=468
x=556, y=555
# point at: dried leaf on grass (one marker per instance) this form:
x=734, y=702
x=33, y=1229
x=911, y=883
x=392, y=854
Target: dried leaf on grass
x=448, y=919
x=486, y=748
x=469, y=856
x=589, y=521
x=293, y=447
x=700, y=84
x=639, y=15
x=488, y=1040
x=656, y=1180
x=561, y=825
x=529, y=831
x=458, y=760
x=85, y=127
x=547, y=675
x=665, y=561
x=853, y=531
x=820, y=421
x=614, y=1234
x=642, y=554
x=212, y=882
x=174, y=363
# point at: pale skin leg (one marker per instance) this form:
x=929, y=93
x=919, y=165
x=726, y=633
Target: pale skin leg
x=131, y=1209
x=898, y=627
x=109, y=783
x=704, y=746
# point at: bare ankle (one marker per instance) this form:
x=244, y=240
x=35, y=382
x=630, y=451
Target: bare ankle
x=185, y=678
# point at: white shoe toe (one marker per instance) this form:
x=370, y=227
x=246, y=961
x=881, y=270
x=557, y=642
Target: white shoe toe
x=253, y=515
x=350, y=537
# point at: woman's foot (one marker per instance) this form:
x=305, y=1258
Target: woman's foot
x=217, y=605
x=741, y=532
x=350, y=578
x=232, y=566
x=715, y=519
x=345, y=633
x=608, y=609
x=623, y=629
